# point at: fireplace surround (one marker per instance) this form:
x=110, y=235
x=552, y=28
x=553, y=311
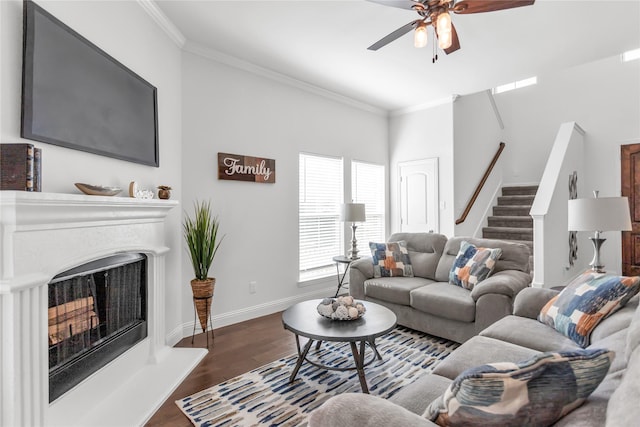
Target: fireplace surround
x=43, y=235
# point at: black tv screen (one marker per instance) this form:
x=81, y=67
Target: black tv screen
x=75, y=95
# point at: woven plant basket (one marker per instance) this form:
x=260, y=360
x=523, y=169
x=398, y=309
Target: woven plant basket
x=202, y=296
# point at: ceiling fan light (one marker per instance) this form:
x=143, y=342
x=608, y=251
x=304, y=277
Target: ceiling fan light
x=444, y=40
x=444, y=23
x=420, y=35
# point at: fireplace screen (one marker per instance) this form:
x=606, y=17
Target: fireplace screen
x=96, y=312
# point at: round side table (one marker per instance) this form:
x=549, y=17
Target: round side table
x=346, y=261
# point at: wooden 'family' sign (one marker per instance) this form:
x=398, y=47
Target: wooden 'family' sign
x=246, y=168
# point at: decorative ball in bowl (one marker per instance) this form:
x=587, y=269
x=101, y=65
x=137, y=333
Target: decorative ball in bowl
x=341, y=308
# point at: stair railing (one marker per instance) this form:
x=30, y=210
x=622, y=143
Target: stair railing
x=476, y=193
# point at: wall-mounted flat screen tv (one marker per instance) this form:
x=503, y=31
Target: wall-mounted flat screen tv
x=75, y=95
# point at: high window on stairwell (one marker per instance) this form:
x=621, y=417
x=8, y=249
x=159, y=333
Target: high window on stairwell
x=515, y=85
x=631, y=55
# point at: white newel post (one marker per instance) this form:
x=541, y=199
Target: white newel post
x=42, y=235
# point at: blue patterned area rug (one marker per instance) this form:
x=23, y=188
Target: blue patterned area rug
x=264, y=396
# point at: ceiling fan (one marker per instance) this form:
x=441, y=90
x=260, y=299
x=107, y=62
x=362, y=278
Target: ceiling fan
x=437, y=14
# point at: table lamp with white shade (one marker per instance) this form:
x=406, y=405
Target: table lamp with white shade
x=353, y=212
x=599, y=214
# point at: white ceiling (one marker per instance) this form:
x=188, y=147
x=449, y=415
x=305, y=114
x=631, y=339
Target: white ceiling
x=324, y=43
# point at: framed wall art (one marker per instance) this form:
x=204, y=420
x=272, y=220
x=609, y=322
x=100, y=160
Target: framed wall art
x=236, y=167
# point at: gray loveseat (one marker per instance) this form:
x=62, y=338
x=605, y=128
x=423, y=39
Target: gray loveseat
x=428, y=303
x=512, y=339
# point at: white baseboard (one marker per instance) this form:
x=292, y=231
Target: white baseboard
x=176, y=334
x=248, y=313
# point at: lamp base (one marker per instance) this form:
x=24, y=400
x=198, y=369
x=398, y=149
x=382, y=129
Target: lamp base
x=596, y=265
x=353, y=253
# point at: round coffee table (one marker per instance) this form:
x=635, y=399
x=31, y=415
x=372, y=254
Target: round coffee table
x=303, y=320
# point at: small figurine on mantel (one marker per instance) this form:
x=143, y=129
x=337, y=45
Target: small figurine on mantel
x=164, y=192
x=139, y=193
x=133, y=188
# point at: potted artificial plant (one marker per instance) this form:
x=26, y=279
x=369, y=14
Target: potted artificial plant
x=201, y=235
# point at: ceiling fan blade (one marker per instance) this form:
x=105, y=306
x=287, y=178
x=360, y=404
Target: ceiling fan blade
x=479, y=6
x=395, y=35
x=455, y=42
x=402, y=4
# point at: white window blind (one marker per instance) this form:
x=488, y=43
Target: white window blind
x=320, y=228
x=367, y=186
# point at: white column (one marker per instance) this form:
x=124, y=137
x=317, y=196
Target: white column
x=24, y=354
x=156, y=305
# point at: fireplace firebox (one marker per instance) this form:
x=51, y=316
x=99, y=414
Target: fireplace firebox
x=96, y=312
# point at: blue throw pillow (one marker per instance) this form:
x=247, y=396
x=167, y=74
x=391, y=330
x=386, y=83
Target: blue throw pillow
x=536, y=392
x=583, y=303
x=391, y=259
x=472, y=265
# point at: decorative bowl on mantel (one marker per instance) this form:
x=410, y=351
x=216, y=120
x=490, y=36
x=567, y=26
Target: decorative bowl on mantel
x=97, y=190
x=341, y=308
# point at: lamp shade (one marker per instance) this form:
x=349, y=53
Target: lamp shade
x=352, y=212
x=420, y=35
x=599, y=214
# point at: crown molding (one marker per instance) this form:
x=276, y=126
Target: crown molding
x=494, y=106
x=420, y=107
x=186, y=45
x=232, y=61
x=163, y=22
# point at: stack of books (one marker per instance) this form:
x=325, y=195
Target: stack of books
x=20, y=167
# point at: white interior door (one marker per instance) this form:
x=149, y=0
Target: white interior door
x=419, y=196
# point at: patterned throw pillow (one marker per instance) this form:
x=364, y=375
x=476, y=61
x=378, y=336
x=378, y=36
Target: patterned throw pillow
x=536, y=392
x=472, y=265
x=391, y=259
x=588, y=299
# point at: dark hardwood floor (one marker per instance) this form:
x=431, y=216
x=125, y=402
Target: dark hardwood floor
x=236, y=349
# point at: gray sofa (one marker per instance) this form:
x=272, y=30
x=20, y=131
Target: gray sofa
x=514, y=338
x=428, y=303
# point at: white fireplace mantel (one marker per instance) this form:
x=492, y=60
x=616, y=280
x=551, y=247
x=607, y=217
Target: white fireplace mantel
x=43, y=234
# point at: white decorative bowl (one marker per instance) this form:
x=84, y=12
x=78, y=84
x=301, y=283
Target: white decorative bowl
x=97, y=190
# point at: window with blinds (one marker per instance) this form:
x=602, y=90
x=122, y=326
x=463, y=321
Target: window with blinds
x=368, y=187
x=320, y=228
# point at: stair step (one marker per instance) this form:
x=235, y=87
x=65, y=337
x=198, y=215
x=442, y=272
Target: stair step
x=515, y=200
x=510, y=221
x=521, y=190
x=508, y=233
x=511, y=210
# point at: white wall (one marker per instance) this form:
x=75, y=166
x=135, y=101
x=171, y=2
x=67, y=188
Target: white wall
x=229, y=110
x=126, y=32
x=603, y=97
x=476, y=138
x=420, y=135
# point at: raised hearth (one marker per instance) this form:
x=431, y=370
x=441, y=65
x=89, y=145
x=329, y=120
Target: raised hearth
x=43, y=235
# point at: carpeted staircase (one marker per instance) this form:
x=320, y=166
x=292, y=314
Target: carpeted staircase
x=511, y=219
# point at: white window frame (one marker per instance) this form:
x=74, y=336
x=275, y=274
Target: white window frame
x=315, y=259
x=368, y=187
